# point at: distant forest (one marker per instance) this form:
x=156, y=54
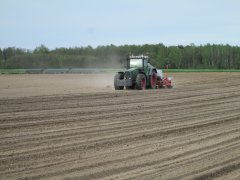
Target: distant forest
x=209, y=56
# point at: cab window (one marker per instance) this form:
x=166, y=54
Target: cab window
x=145, y=63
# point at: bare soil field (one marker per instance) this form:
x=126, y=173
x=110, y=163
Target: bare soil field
x=76, y=126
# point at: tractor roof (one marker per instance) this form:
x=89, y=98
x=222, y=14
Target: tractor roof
x=138, y=57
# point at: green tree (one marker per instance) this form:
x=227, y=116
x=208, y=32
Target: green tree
x=191, y=56
x=42, y=49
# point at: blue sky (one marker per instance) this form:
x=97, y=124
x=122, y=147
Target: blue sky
x=70, y=23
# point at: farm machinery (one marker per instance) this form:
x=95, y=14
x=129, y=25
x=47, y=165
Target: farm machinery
x=140, y=74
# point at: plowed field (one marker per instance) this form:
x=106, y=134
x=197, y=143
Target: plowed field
x=78, y=127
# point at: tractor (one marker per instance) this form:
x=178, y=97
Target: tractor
x=140, y=74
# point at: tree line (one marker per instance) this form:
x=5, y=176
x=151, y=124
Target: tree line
x=209, y=56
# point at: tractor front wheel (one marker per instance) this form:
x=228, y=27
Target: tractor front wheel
x=117, y=77
x=141, y=82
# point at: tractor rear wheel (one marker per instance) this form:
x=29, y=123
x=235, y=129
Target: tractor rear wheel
x=141, y=82
x=118, y=76
x=153, y=80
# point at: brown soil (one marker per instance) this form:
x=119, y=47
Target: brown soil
x=78, y=127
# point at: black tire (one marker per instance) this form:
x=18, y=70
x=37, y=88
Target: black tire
x=141, y=82
x=118, y=76
x=153, y=80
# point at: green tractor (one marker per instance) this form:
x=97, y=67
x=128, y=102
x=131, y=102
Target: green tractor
x=140, y=74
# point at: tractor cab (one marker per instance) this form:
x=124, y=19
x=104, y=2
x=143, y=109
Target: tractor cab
x=139, y=62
